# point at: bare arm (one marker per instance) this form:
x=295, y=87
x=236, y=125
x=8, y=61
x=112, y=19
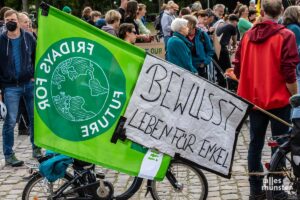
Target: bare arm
x=234, y=39
x=292, y=87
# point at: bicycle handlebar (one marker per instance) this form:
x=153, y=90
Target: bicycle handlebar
x=295, y=100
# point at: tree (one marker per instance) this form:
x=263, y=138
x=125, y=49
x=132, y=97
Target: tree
x=37, y=4
x=1, y=3
x=15, y=4
x=25, y=5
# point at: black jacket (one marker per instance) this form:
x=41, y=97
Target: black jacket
x=7, y=68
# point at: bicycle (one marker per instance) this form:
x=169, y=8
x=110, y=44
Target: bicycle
x=281, y=181
x=85, y=184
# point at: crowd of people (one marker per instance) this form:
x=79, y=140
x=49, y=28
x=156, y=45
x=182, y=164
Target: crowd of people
x=262, y=47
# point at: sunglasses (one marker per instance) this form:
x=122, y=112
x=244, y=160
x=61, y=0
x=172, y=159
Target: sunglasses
x=134, y=32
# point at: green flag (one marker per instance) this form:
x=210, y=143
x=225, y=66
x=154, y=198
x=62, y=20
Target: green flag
x=84, y=79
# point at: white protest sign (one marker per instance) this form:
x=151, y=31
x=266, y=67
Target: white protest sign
x=174, y=111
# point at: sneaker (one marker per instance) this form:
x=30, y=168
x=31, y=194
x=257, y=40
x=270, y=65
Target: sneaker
x=260, y=196
x=13, y=161
x=36, y=153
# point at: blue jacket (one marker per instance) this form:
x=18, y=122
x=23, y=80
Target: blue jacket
x=179, y=53
x=7, y=68
x=204, y=49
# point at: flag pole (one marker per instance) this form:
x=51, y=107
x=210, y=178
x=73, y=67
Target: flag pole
x=273, y=116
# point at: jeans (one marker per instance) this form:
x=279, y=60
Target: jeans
x=22, y=117
x=12, y=96
x=258, y=127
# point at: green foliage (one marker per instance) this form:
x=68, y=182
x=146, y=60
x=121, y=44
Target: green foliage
x=76, y=5
x=15, y=4
x=101, y=5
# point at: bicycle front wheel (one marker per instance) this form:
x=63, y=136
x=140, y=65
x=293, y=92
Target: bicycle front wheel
x=281, y=182
x=39, y=188
x=190, y=181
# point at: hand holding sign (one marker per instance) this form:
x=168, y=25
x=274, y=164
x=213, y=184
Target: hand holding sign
x=230, y=73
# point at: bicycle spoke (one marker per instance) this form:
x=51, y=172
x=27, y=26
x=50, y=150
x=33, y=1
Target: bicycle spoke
x=281, y=162
x=185, y=196
x=186, y=176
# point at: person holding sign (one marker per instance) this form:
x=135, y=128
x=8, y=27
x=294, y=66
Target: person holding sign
x=226, y=33
x=267, y=83
x=179, y=52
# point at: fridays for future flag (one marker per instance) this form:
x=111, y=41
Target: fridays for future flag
x=83, y=81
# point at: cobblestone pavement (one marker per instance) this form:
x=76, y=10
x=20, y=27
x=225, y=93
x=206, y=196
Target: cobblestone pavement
x=12, y=179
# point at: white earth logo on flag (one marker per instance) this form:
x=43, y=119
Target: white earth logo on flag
x=81, y=89
x=78, y=104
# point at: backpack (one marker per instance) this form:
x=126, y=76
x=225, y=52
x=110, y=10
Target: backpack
x=157, y=22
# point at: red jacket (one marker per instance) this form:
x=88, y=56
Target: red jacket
x=264, y=62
